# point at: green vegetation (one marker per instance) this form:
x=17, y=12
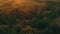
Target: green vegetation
x=44, y=23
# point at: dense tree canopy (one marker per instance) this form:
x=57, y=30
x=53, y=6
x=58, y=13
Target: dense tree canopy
x=33, y=17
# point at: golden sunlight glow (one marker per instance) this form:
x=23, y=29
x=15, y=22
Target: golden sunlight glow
x=17, y=1
x=24, y=5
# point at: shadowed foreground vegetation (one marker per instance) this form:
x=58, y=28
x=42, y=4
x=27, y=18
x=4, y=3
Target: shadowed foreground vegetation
x=47, y=22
